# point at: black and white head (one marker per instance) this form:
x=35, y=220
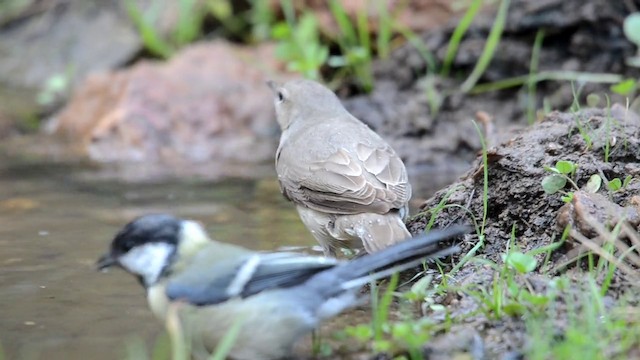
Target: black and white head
x=148, y=246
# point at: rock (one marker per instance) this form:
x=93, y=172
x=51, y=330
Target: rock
x=80, y=36
x=417, y=16
x=586, y=208
x=208, y=104
x=64, y=38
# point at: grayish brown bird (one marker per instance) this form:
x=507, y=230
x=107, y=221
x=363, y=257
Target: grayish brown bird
x=349, y=186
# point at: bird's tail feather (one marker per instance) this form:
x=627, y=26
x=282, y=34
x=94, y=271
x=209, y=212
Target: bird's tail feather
x=357, y=282
x=398, y=257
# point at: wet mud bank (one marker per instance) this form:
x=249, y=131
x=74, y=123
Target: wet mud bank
x=520, y=214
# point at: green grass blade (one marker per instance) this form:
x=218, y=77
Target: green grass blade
x=384, y=30
x=458, y=33
x=560, y=75
x=490, y=47
x=135, y=349
x=189, y=22
x=415, y=40
x=228, y=340
x=149, y=35
x=363, y=32
x=344, y=23
x=363, y=70
x=533, y=69
x=485, y=185
x=381, y=311
x=440, y=207
x=289, y=12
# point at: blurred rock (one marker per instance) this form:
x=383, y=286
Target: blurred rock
x=418, y=16
x=55, y=35
x=209, y=103
x=40, y=39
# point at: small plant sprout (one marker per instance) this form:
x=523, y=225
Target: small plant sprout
x=522, y=263
x=631, y=29
x=617, y=184
x=54, y=88
x=562, y=173
x=594, y=184
x=419, y=290
x=593, y=100
x=187, y=29
x=299, y=46
x=625, y=87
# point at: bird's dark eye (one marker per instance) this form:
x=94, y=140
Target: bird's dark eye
x=280, y=96
x=128, y=245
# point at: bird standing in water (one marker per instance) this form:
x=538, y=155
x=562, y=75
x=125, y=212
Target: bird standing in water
x=349, y=186
x=276, y=298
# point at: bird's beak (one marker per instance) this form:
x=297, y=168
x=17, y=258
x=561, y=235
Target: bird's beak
x=106, y=261
x=273, y=85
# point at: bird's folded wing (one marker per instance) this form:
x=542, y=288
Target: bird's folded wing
x=367, y=179
x=216, y=283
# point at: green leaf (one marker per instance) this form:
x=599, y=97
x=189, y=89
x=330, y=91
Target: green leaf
x=57, y=83
x=402, y=330
x=421, y=286
x=221, y=9
x=553, y=183
x=550, y=169
x=565, y=167
x=567, y=198
x=280, y=31
x=593, y=100
x=523, y=263
x=594, y=183
x=514, y=309
x=625, y=87
x=631, y=28
x=382, y=345
x=360, y=332
x=626, y=181
x=337, y=61
x=633, y=61
x=537, y=300
x=615, y=184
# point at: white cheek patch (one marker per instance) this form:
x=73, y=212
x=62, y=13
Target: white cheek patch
x=147, y=260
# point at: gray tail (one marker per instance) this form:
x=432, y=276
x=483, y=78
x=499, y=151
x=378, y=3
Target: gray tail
x=396, y=258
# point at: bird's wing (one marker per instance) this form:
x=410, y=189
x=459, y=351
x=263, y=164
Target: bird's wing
x=216, y=283
x=355, y=179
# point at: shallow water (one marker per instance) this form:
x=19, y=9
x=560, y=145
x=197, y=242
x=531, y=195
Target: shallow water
x=57, y=219
x=55, y=223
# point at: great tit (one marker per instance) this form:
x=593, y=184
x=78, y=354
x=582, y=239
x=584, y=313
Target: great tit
x=276, y=296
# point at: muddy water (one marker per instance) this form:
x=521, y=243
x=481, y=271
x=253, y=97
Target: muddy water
x=54, y=225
